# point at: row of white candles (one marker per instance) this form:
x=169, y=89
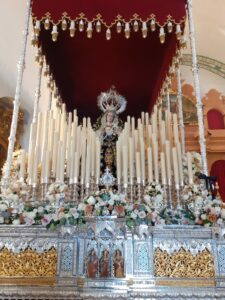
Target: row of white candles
x=57, y=138
x=155, y=141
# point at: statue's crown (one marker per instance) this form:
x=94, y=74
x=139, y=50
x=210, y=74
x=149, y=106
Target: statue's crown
x=112, y=101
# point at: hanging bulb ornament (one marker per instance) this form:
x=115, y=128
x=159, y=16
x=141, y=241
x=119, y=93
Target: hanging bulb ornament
x=127, y=30
x=98, y=26
x=47, y=24
x=170, y=26
x=55, y=33
x=108, y=34
x=89, y=30
x=64, y=25
x=178, y=31
x=37, y=27
x=135, y=26
x=144, y=30
x=72, y=29
x=152, y=25
x=162, y=35
x=81, y=25
x=119, y=27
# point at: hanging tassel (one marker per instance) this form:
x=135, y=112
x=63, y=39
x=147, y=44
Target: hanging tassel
x=144, y=30
x=178, y=31
x=183, y=42
x=54, y=33
x=50, y=79
x=98, y=26
x=135, y=26
x=81, y=25
x=46, y=70
x=34, y=39
x=127, y=30
x=56, y=92
x=108, y=34
x=152, y=25
x=162, y=35
x=47, y=24
x=119, y=27
x=169, y=26
x=38, y=55
x=41, y=61
x=37, y=27
x=89, y=30
x=64, y=24
x=72, y=29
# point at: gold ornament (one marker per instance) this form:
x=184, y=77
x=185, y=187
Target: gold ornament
x=183, y=264
x=47, y=24
x=144, y=30
x=135, y=26
x=170, y=26
x=28, y=263
x=81, y=25
x=127, y=30
x=108, y=34
x=64, y=24
x=89, y=30
x=98, y=26
x=162, y=35
x=72, y=29
x=55, y=33
x=119, y=27
x=178, y=31
x=37, y=27
x=152, y=25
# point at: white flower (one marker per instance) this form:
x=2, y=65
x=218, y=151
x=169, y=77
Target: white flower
x=16, y=222
x=3, y=207
x=159, y=197
x=81, y=206
x=217, y=210
x=223, y=213
x=91, y=200
x=141, y=214
x=133, y=215
x=30, y=214
x=220, y=221
x=203, y=217
x=54, y=217
x=185, y=197
x=1, y=220
x=76, y=215
x=40, y=209
x=212, y=210
x=147, y=198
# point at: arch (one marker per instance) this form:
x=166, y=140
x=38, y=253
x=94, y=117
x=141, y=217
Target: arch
x=218, y=170
x=215, y=119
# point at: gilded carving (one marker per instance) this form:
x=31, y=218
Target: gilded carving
x=28, y=263
x=183, y=264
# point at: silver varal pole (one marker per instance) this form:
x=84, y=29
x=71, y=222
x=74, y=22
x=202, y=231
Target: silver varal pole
x=197, y=88
x=180, y=110
x=16, y=103
x=37, y=93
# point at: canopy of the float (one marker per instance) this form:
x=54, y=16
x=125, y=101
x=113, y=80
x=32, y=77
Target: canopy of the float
x=135, y=62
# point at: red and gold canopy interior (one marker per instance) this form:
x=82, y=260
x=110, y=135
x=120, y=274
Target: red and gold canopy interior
x=83, y=67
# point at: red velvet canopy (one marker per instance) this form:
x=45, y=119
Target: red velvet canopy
x=83, y=67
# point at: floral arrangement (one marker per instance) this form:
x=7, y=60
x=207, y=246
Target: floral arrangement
x=16, y=191
x=104, y=203
x=180, y=216
x=57, y=191
x=212, y=213
x=194, y=194
x=153, y=196
x=15, y=166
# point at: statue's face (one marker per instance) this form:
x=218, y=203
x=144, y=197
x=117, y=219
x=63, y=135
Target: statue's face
x=110, y=117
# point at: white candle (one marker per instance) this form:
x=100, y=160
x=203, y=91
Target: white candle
x=22, y=164
x=150, y=171
x=35, y=166
x=76, y=167
x=190, y=173
x=168, y=162
x=125, y=166
x=175, y=167
x=155, y=152
x=62, y=162
x=55, y=157
x=131, y=159
x=118, y=161
x=88, y=160
x=142, y=148
x=180, y=164
x=83, y=159
x=98, y=159
x=138, y=167
x=175, y=129
x=163, y=168
x=46, y=169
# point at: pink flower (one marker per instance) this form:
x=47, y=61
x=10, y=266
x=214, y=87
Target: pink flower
x=88, y=210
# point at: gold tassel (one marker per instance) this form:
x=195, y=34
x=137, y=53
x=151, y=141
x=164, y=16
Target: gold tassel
x=162, y=35
x=64, y=24
x=170, y=26
x=144, y=30
x=89, y=30
x=72, y=29
x=56, y=92
x=81, y=25
x=119, y=27
x=108, y=34
x=183, y=42
x=37, y=27
x=152, y=25
x=54, y=33
x=34, y=40
x=47, y=24
x=46, y=70
x=178, y=31
x=127, y=31
x=136, y=27
x=98, y=26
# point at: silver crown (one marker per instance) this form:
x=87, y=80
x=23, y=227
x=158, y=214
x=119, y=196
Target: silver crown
x=112, y=101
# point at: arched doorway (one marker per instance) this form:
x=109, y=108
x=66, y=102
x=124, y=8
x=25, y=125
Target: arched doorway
x=218, y=170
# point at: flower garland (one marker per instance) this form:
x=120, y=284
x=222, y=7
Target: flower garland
x=154, y=195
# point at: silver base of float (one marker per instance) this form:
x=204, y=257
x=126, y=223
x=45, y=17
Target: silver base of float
x=145, y=274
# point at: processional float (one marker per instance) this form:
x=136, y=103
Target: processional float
x=101, y=186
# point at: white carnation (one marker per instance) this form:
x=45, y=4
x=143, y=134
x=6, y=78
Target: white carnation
x=1, y=220
x=133, y=215
x=203, y=217
x=91, y=200
x=141, y=214
x=16, y=222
